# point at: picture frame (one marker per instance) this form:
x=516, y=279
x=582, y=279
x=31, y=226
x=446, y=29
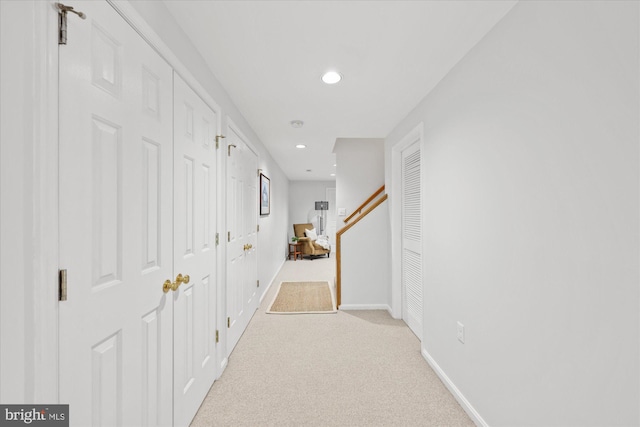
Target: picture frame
x=265, y=195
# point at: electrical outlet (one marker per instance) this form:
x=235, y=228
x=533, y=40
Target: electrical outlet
x=461, y=332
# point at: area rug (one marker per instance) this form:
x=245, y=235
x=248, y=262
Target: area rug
x=303, y=298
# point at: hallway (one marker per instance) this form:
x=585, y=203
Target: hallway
x=357, y=368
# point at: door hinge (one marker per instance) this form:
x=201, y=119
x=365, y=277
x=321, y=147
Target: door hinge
x=217, y=336
x=62, y=285
x=257, y=283
x=62, y=21
x=228, y=322
x=217, y=239
x=218, y=138
x=228, y=236
x=258, y=228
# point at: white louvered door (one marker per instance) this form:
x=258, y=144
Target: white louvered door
x=412, y=239
x=115, y=224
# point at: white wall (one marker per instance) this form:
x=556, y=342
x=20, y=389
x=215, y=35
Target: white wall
x=28, y=212
x=531, y=217
x=360, y=171
x=273, y=228
x=366, y=268
x=302, y=198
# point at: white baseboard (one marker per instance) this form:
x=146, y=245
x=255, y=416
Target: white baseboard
x=468, y=408
x=272, y=279
x=223, y=366
x=365, y=307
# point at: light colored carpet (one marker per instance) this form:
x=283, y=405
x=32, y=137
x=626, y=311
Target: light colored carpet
x=358, y=368
x=303, y=297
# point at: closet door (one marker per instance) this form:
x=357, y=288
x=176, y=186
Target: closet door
x=194, y=205
x=242, y=221
x=116, y=222
x=412, y=239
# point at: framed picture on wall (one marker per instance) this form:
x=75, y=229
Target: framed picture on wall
x=265, y=195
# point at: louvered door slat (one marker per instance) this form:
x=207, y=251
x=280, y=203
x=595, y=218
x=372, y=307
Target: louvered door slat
x=412, y=239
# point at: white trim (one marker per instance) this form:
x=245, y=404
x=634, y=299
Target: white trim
x=223, y=366
x=415, y=135
x=466, y=405
x=264, y=294
x=46, y=206
x=355, y=307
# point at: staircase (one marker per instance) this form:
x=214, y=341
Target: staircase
x=363, y=255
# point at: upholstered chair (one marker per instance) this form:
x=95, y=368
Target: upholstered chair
x=309, y=247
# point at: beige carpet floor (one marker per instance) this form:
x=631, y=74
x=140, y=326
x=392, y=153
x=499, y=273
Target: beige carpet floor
x=357, y=368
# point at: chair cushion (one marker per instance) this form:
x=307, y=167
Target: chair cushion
x=298, y=229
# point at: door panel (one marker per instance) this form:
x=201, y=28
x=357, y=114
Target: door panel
x=242, y=221
x=412, y=239
x=115, y=224
x=194, y=250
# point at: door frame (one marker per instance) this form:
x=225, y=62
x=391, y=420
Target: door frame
x=414, y=135
x=35, y=354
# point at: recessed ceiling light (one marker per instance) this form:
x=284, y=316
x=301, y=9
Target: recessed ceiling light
x=331, y=77
x=335, y=165
x=301, y=146
x=333, y=174
x=297, y=123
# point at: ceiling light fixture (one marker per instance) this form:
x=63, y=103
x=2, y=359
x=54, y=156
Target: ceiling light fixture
x=301, y=146
x=297, y=123
x=331, y=77
x=333, y=174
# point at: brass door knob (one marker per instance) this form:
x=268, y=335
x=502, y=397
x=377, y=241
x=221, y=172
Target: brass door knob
x=179, y=281
x=167, y=286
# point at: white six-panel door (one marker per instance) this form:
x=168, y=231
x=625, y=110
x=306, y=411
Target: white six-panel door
x=116, y=221
x=195, y=129
x=242, y=218
x=136, y=210
x=412, y=239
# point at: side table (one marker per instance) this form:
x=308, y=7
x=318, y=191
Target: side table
x=295, y=249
